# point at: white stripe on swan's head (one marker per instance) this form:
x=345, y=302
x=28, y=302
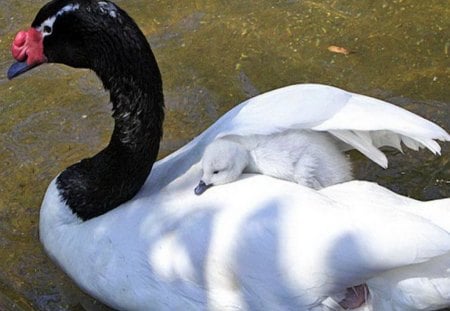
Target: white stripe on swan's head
x=46, y=28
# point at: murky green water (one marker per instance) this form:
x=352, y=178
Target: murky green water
x=213, y=54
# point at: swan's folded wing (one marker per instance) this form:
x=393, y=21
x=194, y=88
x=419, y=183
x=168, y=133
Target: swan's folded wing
x=424, y=283
x=362, y=122
x=424, y=286
x=367, y=123
x=356, y=193
x=299, y=106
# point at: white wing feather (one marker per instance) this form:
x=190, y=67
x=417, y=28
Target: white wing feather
x=362, y=122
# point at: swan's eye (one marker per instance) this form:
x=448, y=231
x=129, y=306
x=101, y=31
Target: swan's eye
x=216, y=172
x=47, y=29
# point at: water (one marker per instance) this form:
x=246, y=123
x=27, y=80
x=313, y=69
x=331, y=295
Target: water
x=212, y=54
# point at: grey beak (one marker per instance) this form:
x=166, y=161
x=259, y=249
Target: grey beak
x=201, y=187
x=18, y=68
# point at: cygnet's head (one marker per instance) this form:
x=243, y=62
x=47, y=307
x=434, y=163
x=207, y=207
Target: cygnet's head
x=223, y=162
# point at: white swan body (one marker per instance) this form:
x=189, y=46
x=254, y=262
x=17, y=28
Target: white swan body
x=309, y=158
x=252, y=254
x=259, y=243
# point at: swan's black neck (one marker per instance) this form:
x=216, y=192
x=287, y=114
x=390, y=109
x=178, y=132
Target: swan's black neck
x=96, y=185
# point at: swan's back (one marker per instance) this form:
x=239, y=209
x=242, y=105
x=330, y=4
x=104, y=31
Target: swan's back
x=362, y=125
x=283, y=246
x=317, y=245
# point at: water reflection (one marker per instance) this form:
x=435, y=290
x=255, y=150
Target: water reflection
x=213, y=54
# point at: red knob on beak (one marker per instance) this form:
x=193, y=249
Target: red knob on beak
x=28, y=50
x=19, y=51
x=28, y=46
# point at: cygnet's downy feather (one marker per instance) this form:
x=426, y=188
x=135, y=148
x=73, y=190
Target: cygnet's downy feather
x=306, y=157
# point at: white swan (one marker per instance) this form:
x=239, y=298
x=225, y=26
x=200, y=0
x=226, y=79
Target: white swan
x=309, y=158
x=139, y=242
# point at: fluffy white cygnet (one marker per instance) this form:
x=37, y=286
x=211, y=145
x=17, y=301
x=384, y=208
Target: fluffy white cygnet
x=312, y=159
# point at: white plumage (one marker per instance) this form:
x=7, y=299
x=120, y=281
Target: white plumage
x=261, y=243
x=310, y=158
x=424, y=286
x=363, y=122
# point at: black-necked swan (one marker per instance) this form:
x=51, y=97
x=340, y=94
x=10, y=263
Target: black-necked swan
x=309, y=158
x=145, y=242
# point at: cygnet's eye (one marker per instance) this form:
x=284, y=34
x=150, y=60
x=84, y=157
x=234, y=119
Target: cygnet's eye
x=47, y=29
x=216, y=172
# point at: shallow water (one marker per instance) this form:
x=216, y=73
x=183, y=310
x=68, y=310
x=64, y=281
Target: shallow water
x=212, y=54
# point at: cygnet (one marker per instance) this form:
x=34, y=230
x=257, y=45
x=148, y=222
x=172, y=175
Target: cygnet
x=310, y=158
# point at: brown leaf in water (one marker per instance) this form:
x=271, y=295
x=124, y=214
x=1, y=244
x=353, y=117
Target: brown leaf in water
x=339, y=50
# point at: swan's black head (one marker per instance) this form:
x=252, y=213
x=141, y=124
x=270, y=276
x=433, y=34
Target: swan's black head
x=83, y=34
x=100, y=36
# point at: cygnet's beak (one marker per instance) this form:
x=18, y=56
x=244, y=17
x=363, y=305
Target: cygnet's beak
x=202, y=187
